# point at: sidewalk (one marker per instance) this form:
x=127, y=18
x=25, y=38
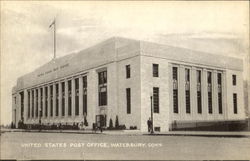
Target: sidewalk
x=138, y=132
x=205, y=133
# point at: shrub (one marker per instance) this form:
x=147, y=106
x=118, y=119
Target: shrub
x=121, y=127
x=111, y=124
x=116, y=122
x=133, y=127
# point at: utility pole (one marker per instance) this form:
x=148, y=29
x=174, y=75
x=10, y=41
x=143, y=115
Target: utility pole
x=152, y=119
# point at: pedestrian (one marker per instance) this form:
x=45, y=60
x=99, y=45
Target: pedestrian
x=149, y=122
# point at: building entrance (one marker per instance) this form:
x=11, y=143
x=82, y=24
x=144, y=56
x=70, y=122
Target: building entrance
x=101, y=120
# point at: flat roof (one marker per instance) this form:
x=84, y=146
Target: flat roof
x=115, y=49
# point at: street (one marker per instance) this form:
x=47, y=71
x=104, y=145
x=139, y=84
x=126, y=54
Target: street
x=27, y=145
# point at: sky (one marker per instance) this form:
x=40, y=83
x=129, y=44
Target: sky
x=27, y=41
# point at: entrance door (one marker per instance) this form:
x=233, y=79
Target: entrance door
x=101, y=120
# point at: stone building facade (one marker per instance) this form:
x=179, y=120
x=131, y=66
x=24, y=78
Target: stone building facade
x=116, y=78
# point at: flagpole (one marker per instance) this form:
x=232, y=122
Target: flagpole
x=55, y=39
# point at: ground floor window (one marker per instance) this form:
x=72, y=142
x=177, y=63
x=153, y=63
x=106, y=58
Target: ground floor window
x=220, y=102
x=128, y=96
x=156, y=99
x=199, y=105
x=210, y=110
x=235, y=103
x=175, y=100
x=187, y=101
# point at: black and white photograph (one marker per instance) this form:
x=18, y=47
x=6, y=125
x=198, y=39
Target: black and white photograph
x=125, y=80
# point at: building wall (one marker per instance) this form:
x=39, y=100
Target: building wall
x=15, y=109
x=113, y=56
x=134, y=118
x=227, y=94
x=238, y=89
x=160, y=119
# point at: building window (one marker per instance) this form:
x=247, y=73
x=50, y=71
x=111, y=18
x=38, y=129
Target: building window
x=46, y=101
x=187, y=101
x=175, y=89
x=157, y=129
x=175, y=100
x=85, y=95
x=156, y=99
x=22, y=104
x=235, y=103
x=199, y=103
x=187, y=89
x=102, y=77
x=41, y=107
x=102, y=88
x=57, y=99
x=32, y=105
x=209, y=83
x=77, y=96
x=127, y=71
x=209, y=77
x=128, y=96
x=28, y=104
x=210, y=110
x=187, y=75
x=234, y=79
x=51, y=100
x=175, y=73
x=63, y=98
x=219, y=81
x=36, y=102
x=219, y=78
x=155, y=70
x=69, y=98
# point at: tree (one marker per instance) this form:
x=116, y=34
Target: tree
x=111, y=124
x=116, y=122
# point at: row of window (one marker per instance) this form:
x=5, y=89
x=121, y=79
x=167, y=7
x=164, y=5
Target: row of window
x=102, y=83
x=156, y=108
x=48, y=94
x=198, y=90
x=155, y=69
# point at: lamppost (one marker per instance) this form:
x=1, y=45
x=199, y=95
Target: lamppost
x=152, y=122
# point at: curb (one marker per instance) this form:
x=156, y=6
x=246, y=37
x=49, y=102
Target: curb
x=131, y=134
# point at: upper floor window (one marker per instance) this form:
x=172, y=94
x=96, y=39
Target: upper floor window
x=63, y=89
x=84, y=79
x=102, y=77
x=69, y=87
x=187, y=75
x=209, y=77
x=155, y=70
x=219, y=78
x=234, y=79
x=127, y=71
x=198, y=76
x=175, y=73
x=77, y=86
